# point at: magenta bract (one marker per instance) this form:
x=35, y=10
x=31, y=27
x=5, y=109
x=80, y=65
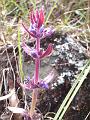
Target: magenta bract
x=38, y=18
x=36, y=28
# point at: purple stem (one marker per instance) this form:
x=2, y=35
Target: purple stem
x=35, y=91
x=37, y=62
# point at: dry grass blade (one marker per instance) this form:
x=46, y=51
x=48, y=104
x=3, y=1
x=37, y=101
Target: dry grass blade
x=17, y=110
x=86, y=118
x=7, y=96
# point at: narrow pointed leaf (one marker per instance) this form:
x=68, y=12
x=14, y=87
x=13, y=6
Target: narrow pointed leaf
x=32, y=52
x=34, y=17
x=41, y=19
x=31, y=18
x=49, y=78
x=48, y=51
x=26, y=49
x=37, y=14
x=41, y=16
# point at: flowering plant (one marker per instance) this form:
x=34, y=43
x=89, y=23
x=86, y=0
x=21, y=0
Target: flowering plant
x=37, y=31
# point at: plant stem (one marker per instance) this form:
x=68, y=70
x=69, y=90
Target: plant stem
x=37, y=62
x=36, y=79
x=34, y=100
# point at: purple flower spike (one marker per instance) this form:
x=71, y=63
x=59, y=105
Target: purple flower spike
x=37, y=31
x=37, y=21
x=36, y=28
